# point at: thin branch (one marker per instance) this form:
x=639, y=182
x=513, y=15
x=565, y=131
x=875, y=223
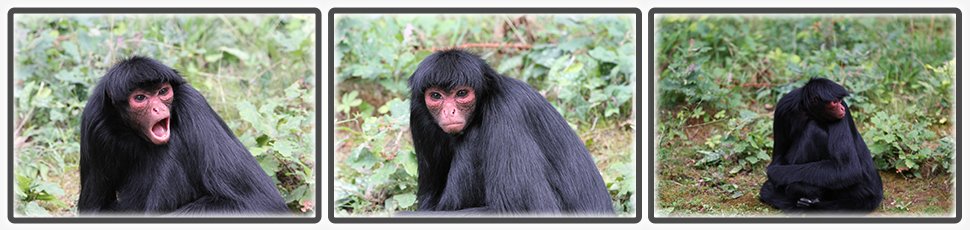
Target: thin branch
x=521, y=46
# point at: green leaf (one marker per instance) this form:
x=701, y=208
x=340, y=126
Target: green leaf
x=381, y=175
x=293, y=91
x=878, y=148
x=574, y=44
x=32, y=209
x=575, y=67
x=213, y=57
x=248, y=112
x=509, y=64
x=910, y=163
x=349, y=101
x=242, y=55
x=362, y=158
x=45, y=197
x=752, y=159
x=408, y=161
x=71, y=76
x=262, y=140
x=762, y=155
x=50, y=188
x=612, y=110
x=286, y=148
x=603, y=54
x=297, y=193
x=269, y=164
x=405, y=200
x=70, y=48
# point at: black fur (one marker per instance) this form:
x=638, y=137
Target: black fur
x=516, y=156
x=824, y=164
x=202, y=170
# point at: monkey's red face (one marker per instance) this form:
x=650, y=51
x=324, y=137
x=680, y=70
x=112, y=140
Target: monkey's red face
x=150, y=110
x=835, y=110
x=451, y=109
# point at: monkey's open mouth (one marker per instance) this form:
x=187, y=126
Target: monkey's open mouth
x=160, y=131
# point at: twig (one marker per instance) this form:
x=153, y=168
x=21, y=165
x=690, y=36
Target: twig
x=705, y=123
x=522, y=46
x=595, y=120
x=30, y=113
x=515, y=31
x=756, y=85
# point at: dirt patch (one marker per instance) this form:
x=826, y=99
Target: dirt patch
x=683, y=190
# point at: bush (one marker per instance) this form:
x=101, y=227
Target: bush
x=737, y=65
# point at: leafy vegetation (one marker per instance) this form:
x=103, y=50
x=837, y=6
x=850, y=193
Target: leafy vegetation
x=719, y=77
x=257, y=72
x=584, y=65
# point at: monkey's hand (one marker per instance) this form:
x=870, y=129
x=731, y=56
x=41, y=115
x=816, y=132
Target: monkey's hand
x=806, y=203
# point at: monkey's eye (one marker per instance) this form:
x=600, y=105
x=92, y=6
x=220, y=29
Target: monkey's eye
x=436, y=96
x=462, y=93
x=163, y=91
x=140, y=97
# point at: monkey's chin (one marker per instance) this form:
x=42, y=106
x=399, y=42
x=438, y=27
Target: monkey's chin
x=159, y=132
x=453, y=128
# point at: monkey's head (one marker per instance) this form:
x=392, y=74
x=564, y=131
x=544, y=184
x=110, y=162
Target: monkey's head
x=449, y=86
x=823, y=100
x=149, y=111
x=142, y=90
x=451, y=109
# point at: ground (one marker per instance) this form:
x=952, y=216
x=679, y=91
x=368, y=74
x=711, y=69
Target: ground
x=684, y=190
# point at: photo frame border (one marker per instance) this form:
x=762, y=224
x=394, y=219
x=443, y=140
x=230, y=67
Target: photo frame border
x=785, y=219
x=468, y=220
x=176, y=11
